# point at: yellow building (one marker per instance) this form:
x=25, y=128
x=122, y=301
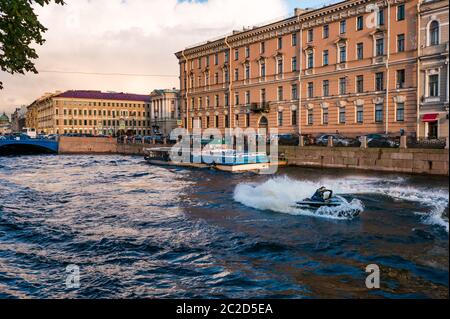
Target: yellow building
x=90, y=112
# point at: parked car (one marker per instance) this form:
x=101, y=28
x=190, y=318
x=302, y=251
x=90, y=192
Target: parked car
x=338, y=140
x=53, y=137
x=288, y=139
x=2, y=138
x=379, y=140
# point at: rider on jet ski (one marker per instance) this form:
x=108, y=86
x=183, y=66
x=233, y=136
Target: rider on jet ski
x=322, y=195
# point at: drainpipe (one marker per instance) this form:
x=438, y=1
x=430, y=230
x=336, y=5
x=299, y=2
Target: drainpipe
x=387, y=65
x=300, y=81
x=418, y=73
x=230, y=78
x=187, y=90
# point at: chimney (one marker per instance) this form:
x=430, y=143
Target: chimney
x=300, y=11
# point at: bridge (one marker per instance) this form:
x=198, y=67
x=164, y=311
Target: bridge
x=12, y=145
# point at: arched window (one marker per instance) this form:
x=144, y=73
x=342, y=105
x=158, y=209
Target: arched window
x=434, y=33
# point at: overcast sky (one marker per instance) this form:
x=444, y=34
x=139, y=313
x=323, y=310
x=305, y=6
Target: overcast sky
x=129, y=37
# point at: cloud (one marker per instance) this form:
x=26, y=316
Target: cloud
x=126, y=36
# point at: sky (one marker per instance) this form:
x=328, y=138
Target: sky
x=131, y=41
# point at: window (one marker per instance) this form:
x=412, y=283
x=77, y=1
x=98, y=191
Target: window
x=247, y=72
x=262, y=47
x=400, y=112
x=325, y=58
x=310, y=60
x=310, y=35
x=379, y=113
x=401, y=12
x=236, y=54
x=247, y=97
x=342, y=116
x=380, y=18
x=216, y=58
x=280, y=118
x=359, y=23
x=263, y=95
x=310, y=117
x=379, y=47
x=310, y=89
x=227, y=56
x=216, y=100
x=294, y=39
x=199, y=63
x=280, y=93
x=326, y=31
x=236, y=74
x=226, y=99
x=280, y=43
x=360, y=51
x=343, y=27
x=216, y=78
x=227, y=121
x=434, y=33
x=263, y=69
x=294, y=64
x=360, y=114
x=236, y=99
x=433, y=85
x=207, y=122
x=294, y=117
x=294, y=92
x=342, y=86
x=247, y=120
x=379, y=81
x=207, y=61
x=247, y=51
x=325, y=115
x=280, y=66
x=360, y=84
x=342, y=54
x=400, y=79
x=226, y=76
x=326, y=88
x=401, y=43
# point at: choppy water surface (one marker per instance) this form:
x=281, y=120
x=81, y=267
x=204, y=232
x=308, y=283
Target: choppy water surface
x=140, y=231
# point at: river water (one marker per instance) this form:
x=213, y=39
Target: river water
x=141, y=231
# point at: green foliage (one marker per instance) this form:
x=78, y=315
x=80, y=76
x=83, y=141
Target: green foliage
x=19, y=29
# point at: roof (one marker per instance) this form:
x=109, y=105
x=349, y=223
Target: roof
x=4, y=118
x=98, y=95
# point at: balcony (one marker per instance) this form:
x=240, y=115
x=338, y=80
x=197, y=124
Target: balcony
x=379, y=59
x=262, y=107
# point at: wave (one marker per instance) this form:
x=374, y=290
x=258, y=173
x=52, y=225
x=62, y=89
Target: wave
x=281, y=193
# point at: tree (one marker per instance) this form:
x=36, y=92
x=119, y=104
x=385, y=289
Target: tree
x=19, y=29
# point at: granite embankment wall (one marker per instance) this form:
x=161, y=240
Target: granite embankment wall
x=97, y=145
x=417, y=161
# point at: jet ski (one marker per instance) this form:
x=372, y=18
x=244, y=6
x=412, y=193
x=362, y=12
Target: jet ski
x=325, y=198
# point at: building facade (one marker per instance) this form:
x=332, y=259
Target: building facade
x=18, y=119
x=433, y=69
x=350, y=68
x=90, y=112
x=164, y=111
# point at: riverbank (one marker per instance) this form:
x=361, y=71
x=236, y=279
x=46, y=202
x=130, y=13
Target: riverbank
x=413, y=161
